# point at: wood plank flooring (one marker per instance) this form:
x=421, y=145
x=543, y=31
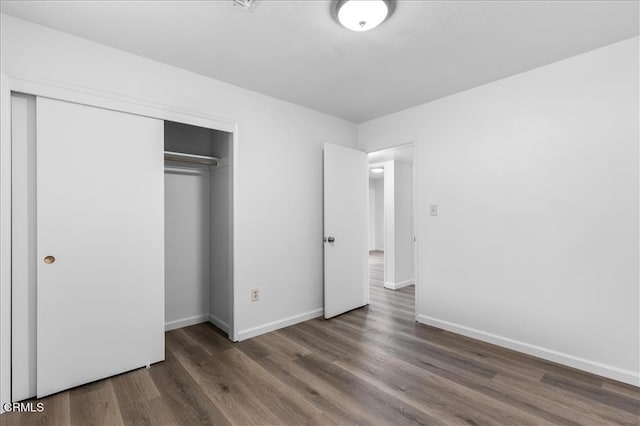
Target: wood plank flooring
x=374, y=365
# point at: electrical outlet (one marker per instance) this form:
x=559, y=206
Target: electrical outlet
x=255, y=294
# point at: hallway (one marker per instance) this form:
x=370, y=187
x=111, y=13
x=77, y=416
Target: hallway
x=397, y=303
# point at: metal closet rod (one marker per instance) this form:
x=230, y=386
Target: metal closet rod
x=190, y=158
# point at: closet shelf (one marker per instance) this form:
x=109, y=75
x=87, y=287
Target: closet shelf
x=190, y=158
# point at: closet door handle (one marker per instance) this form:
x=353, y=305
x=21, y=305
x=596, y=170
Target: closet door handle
x=49, y=260
x=331, y=240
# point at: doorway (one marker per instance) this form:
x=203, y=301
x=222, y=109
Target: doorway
x=392, y=225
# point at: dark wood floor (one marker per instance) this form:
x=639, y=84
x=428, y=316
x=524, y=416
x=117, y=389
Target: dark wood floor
x=373, y=366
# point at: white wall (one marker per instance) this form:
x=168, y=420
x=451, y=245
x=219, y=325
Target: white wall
x=372, y=215
x=389, y=223
x=187, y=246
x=379, y=213
x=403, y=225
x=376, y=214
x=279, y=207
x=536, y=179
x=398, y=225
x=220, y=233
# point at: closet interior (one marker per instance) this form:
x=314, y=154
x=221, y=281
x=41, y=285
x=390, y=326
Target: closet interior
x=197, y=226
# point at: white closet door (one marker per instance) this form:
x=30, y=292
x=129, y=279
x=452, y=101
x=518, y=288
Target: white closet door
x=100, y=213
x=346, y=230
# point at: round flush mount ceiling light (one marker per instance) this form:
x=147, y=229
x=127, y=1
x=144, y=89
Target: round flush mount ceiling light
x=362, y=15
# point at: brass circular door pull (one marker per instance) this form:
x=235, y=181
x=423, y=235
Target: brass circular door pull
x=49, y=260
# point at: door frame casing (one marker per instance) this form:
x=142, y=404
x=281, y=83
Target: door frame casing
x=5, y=241
x=100, y=99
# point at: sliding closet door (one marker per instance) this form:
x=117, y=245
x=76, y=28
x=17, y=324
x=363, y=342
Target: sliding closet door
x=100, y=237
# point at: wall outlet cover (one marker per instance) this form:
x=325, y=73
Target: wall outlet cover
x=255, y=294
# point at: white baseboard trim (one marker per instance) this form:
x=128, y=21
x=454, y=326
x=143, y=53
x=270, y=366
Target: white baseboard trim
x=396, y=286
x=219, y=323
x=561, y=358
x=275, y=325
x=185, y=322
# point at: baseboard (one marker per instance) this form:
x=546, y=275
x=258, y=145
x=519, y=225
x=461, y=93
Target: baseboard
x=396, y=286
x=275, y=325
x=185, y=322
x=219, y=323
x=544, y=353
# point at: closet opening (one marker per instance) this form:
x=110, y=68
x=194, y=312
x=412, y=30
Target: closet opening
x=141, y=244
x=198, y=226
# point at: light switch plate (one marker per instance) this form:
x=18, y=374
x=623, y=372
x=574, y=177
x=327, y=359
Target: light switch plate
x=433, y=210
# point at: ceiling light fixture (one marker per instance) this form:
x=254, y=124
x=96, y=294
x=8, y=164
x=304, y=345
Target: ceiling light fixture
x=377, y=170
x=362, y=15
x=245, y=4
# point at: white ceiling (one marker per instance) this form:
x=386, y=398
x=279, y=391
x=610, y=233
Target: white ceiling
x=294, y=50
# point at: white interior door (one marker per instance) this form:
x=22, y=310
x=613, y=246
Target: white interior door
x=346, y=217
x=100, y=213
